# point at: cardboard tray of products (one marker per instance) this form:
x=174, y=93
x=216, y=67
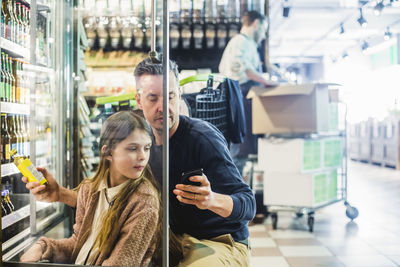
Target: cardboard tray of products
x=294, y=108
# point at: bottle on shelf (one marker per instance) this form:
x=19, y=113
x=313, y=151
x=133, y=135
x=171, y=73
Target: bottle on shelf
x=24, y=86
x=13, y=21
x=4, y=20
x=8, y=201
x=5, y=140
x=245, y=5
x=17, y=91
x=197, y=24
x=17, y=77
x=12, y=79
x=41, y=50
x=7, y=79
x=27, y=168
x=17, y=26
x=4, y=82
x=49, y=138
x=5, y=208
x=108, y=111
x=210, y=24
x=27, y=39
x=259, y=5
x=13, y=135
x=21, y=24
x=18, y=147
x=18, y=129
x=25, y=127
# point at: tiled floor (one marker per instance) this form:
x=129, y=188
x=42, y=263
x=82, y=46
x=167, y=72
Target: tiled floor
x=373, y=239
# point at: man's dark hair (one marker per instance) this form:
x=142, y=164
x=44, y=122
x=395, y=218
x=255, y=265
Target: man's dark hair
x=250, y=16
x=147, y=66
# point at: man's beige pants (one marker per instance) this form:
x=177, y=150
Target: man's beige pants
x=185, y=250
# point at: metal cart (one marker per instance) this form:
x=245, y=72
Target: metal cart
x=300, y=211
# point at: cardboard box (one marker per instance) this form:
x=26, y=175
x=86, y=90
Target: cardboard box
x=300, y=190
x=299, y=155
x=292, y=108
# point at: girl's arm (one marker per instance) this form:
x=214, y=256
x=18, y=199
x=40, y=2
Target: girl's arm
x=136, y=244
x=60, y=251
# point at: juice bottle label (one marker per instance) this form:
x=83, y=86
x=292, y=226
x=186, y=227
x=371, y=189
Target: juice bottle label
x=29, y=171
x=7, y=152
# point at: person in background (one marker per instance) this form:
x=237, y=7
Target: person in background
x=117, y=211
x=209, y=221
x=240, y=61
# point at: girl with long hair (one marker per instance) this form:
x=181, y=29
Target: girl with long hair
x=118, y=220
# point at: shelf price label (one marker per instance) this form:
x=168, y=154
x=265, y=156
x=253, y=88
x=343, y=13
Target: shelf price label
x=8, y=169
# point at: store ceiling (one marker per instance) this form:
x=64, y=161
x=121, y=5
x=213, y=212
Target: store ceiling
x=312, y=28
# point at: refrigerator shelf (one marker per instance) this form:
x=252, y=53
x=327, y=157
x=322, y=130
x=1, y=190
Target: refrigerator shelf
x=8, y=169
x=14, y=108
x=14, y=49
x=20, y=214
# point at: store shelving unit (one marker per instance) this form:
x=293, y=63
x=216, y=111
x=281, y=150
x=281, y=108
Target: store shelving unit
x=14, y=50
x=46, y=114
x=15, y=108
x=83, y=139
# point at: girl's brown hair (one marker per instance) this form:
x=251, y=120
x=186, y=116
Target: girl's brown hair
x=115, y=129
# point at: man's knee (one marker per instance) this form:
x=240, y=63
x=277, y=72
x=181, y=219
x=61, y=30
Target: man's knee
x=199, y=253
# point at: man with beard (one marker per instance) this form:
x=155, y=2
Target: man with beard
x=240, y=61
x=209, y=222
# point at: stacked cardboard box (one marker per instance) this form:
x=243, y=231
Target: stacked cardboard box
x=300, y=172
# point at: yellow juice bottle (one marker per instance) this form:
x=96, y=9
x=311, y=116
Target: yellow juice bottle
x=26, y=167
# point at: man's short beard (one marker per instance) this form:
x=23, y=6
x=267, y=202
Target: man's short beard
x=160, y=131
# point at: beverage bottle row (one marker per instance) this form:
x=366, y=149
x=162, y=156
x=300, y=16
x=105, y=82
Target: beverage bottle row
x=14, y=135
x=195, y=24
x=14, y=80
x=15, y=22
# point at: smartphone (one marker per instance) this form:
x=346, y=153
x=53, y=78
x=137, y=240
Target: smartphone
x=187, y=175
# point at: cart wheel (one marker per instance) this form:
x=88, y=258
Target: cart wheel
x=310, y=222
x=274, y=218
x=351, y=212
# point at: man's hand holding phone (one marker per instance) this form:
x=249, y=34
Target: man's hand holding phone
x=194, y=189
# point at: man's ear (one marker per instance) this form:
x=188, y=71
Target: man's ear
x=255, y=23
x=106, y=152
x=138, y=100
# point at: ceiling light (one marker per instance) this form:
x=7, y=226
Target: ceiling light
x=378, y=8
x=388, y=34
x=364, y=46
x=341, y=31
x=361, y=20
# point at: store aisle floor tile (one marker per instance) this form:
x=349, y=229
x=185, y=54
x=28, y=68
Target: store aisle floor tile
x=367, y=261
x=289, y=234
x=372, y=239
x=265, y=251
x=305, y=251
x=258, y=242
x=268, y=261
x=315, y=262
